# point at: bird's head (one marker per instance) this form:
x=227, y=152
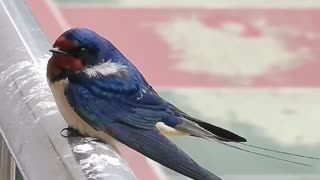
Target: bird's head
x=76, y=49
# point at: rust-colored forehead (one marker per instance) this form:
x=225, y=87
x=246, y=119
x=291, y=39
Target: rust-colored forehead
x=64, y=43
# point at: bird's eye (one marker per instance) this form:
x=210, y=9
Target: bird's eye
x=82, y=51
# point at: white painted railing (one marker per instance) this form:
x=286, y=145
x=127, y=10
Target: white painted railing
x=31, y=146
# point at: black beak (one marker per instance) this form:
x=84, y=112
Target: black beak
x=57, y=50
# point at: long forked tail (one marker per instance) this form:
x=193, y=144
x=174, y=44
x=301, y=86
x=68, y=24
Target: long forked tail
x=269, y=156
x=220, y=133
x=280, y=152
x=198, y=128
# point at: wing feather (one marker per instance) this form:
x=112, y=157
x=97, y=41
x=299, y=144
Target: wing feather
x=134, y=127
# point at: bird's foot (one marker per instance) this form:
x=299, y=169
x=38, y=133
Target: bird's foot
x=70, y=132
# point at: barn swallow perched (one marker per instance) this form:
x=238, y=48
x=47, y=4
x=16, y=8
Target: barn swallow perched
x=102, y=94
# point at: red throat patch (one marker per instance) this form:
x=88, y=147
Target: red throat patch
x=59, y=62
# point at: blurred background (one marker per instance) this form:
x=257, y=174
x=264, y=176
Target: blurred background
x=249, y=66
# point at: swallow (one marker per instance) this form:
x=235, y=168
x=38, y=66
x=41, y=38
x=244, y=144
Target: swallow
x=100, y=93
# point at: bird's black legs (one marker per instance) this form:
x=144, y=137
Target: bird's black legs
x=70, y=132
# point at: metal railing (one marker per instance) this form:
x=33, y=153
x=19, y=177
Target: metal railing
x=31, y=146
x=7, y=164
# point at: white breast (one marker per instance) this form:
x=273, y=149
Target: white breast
x=71, y=117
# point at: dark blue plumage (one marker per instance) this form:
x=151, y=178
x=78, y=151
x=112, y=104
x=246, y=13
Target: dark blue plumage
x=133, y=123
x=108, y=92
